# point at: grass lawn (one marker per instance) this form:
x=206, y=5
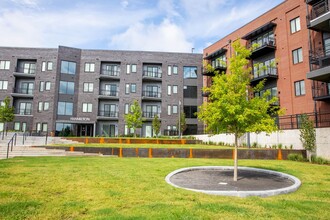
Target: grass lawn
x=182, y=146
x=134, y=188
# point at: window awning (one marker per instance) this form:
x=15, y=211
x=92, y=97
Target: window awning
x=216, y=53
x=259, y=30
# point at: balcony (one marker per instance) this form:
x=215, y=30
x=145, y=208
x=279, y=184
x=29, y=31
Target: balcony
x=150, y=115
x=107, y=115
x=27, y=72
x=321, y=91
x=267, y=45
x=152, y=96
x=211, y=72
x=320, y=64
x=319, y=16
x=151, y=76
x=22, y=92
x=110, y=74
x=269, y=74
x=109, y=94
x=23, y=111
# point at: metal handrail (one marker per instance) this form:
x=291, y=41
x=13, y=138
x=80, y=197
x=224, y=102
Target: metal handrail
x=11, y=142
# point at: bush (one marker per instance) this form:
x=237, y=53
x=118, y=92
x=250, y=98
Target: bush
x=319, y=160
x=296, y=157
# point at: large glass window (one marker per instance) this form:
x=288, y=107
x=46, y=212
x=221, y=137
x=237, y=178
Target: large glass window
x=111, y=69
x=295, y=25
x=68, y=67
x=190, y=72
x=4, y=65
x=133, y=88
x=175, y=70
x=297, y=56
x=64, y=129
x=299, y=88
x=65, y=108
x=87, y=107
x=25, y=108
x=169, y=90
x=47, y=86
x=175, y=89
x=190, y=91
x=66, y=87
x=3, y=84
x=190, y=111
x=219, y=62
x=88, y=87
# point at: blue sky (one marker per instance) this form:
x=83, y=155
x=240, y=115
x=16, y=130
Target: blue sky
x=152, y=25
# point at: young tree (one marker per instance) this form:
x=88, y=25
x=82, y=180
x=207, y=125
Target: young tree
x=156, y=123
x=7, y=114
x=308, y=136
x=182, y=125
x=134, y=118
x=231, y=109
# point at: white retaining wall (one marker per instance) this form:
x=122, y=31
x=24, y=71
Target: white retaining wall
x=285, y=137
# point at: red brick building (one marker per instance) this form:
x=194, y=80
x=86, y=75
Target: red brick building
x=294, y=44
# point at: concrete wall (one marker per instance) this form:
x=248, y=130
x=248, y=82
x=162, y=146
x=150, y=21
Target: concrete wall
x=286, y=137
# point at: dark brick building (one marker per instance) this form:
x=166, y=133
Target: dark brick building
x=88, y=92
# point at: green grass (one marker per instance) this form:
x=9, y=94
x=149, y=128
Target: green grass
x=134, y=188
x=182, y=146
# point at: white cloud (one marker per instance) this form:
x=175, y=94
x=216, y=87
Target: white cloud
x=26, y=3
x=124, y=3
x=163, y=37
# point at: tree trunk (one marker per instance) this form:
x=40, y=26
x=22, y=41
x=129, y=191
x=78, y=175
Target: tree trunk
x=3, y=130
x=235, y=159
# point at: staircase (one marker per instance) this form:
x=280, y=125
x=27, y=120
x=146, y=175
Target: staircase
x=24, y=148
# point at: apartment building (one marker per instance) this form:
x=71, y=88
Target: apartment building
x=87, y=92
x=293, y=43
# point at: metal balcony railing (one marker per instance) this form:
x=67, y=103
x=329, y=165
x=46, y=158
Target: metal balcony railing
x=320, y=57
x=111, y=93
x=107, y=72
x=110, y=114
x=29, y=70
x=152, y=74
x=319, y=9
x=268, y=41
x=269, y=71
x=26, y=91
x=23, y=111
x=150, y=114
x=151, y=94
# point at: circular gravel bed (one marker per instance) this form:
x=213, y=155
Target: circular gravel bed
x=218, y=180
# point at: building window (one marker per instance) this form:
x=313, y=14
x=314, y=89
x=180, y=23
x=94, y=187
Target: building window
x=169, y=70
x=169, y=90
x=49, y=65
x=130, y=68
x=175, y=109
x=111, y=69
x=175, y=70
x=4, y=65
x=66, y=87
x=175, y=89
x=190, y=91
x=38, y=127
x=190, y=111
x=17, y=126
x=46, y=106
x=68, y=67
x=65, y=108
x=25, y=108
x=87, y=107
x=3, y=84
x=126, y=108
x=127, y=88
x=41, y=86
x=47, y=86
x=44, y=127
x=299, y=88
x=133, y=68
x=24, y=126
x=43, y=66
x=89, y=67
x=189, y=72
x=169, y=107
x=133, y=88
x=295, y=25
x=88, y=87
x=40, y=105
x=297, y=56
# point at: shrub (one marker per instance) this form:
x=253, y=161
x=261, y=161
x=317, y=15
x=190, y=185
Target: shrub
x=280, y=146
x=254, y=145
x=296, y=157
x=319, y=160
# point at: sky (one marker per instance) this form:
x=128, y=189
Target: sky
x=147, y=25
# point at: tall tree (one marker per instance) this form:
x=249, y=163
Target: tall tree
x=182, y=125
x=156, y=124
x=231, y=109
x=308, y=135
x=134, y=117
x=7, y=114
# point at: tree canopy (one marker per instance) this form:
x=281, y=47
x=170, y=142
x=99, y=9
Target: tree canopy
x=134, y=117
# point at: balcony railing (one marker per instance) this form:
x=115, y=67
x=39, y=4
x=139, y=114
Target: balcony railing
x=171, y=132
x=110, y=114
x=319, y=9
x=320, y=120
x=152, y=74
x=150, y=114
x=29, y=70
x=114, y=73
x=23, y=111
x=266, y=42
x=111, y=93
x=151, y=94
x=321, y=91
x=320, y=57
x=26, y=91
x=268, y=72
